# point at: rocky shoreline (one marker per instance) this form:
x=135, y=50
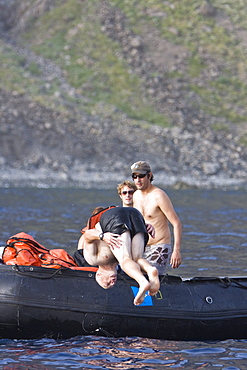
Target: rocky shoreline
x=44, y=178
x=40, y=147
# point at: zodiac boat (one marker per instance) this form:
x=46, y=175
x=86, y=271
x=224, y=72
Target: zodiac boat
x=40, y=302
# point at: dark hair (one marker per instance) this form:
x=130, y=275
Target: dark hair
x=151, y=177
x=97, y=210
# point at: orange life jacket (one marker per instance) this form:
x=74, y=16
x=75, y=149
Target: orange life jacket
x=94, y=219
x=22, y=249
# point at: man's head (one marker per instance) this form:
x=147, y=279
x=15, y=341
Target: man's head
x=126, y=190
x=97, y=210
x=141, y=174
x=106, y=277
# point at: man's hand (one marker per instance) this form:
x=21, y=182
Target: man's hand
x=150, y=230
x=176, y=259
x=112, y=240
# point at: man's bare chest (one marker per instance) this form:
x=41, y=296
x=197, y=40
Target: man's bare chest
x=148, y=210
x=106, y=255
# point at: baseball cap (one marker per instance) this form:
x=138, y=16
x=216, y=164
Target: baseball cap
x=140, y=167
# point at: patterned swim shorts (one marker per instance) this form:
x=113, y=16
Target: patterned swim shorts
x=158, y=255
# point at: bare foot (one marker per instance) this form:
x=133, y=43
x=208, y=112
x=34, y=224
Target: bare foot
x=154, y=280
x=139, y=298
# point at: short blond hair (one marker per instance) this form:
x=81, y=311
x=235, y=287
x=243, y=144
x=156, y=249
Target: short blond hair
x=128, y=183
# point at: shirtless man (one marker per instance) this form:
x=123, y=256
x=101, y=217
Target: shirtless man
x=126, y=190
x=157, y=209
x=120, y=238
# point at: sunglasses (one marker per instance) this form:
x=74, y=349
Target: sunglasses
x=131, y=192
x=141, y=176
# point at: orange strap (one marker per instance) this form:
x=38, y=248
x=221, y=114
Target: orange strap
x=94, y=219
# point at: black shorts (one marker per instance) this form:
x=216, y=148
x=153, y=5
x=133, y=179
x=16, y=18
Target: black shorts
x=120, y=219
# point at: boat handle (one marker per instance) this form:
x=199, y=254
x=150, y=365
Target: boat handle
x=209, y=300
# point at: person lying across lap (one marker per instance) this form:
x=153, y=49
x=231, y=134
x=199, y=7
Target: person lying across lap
x=120, y=238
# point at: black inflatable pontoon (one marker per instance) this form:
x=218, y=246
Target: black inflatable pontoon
x=41, y=302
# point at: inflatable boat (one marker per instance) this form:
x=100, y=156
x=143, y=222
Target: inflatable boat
x=61, y=303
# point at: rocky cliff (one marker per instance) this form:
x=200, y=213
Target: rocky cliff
x=55, y=132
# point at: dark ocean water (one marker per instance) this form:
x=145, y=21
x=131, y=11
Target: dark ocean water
x=214, y=244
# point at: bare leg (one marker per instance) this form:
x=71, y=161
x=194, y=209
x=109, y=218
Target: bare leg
x=131, y=268
x=152, y=272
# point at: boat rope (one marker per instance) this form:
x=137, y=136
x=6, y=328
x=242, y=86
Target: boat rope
x=232, y=280
x=170, y=278
x=226, y=281
x=31, y=274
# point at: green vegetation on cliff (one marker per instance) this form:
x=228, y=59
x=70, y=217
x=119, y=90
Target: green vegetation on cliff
x=104, y=73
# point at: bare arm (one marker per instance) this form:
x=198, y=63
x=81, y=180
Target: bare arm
x=80, y=244
x=176, y=258
x=89, y=242
x=167, y=208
